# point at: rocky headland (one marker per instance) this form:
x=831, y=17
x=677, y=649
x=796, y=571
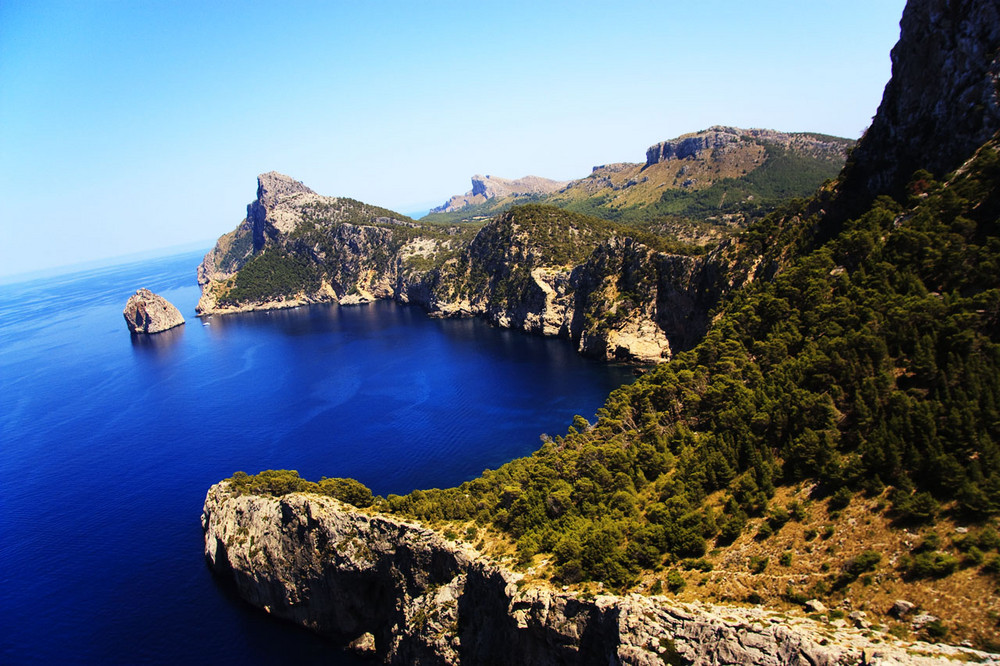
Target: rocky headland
x=146, y=312
x=614, y=292
x=404, y=594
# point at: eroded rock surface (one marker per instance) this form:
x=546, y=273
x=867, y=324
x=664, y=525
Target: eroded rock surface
x=404, y=594
x=146, y=312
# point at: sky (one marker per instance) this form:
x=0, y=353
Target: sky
x=128, y=127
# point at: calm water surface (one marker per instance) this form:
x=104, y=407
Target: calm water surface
x=108, y=444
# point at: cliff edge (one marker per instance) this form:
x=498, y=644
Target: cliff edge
x=404, y=594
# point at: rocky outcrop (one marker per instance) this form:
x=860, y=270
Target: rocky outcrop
x=146, y=312
x=942, y=102
x=720, y=139
x=572, y=276
x=402, y=593
x=276, y=210
x=485, y=188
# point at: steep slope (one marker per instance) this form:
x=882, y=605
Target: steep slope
x=615, y=292
x=942, y=102
x=403, y=594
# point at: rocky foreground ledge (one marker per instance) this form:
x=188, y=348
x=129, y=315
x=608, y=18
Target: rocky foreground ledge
x=403, y=594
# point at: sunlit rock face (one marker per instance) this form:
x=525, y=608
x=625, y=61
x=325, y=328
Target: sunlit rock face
x=146, y=312
x=942, y=102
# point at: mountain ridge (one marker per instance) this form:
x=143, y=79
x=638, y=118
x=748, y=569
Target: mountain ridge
x=677, y=179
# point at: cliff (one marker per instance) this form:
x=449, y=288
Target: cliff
x=723, y=175
x=615, y=292
x=403, y=594
x=941, y=104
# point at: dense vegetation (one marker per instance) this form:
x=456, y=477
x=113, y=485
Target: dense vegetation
x=783, y=175
x=873, y=360
x=272, y=274
x=870, y=361
x=283, y=481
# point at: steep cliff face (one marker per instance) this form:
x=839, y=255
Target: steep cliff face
x=405, y=595
x=275, y=211
x=538, y=269
x=942, y=102
x=343, y=250
x=725, y=139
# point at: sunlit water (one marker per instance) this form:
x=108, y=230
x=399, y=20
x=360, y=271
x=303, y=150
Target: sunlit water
x=108, y=443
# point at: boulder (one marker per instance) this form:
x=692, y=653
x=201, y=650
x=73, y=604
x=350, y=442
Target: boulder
x=901, y=609
x=146, y=312
x=815, y=606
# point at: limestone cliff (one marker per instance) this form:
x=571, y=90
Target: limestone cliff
x=942, y=102
x=539, y=269
x=146, y=312
x=725, y=175
x=720, y=139
x=404, y=594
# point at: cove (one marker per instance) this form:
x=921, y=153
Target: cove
x=109, y=442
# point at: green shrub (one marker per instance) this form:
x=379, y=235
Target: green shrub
x=675, y=581
x=934, y=564
x=840, y=499
x=347, y=490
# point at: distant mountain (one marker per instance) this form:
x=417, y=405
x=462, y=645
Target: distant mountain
x=485, y=188
x=722, y=175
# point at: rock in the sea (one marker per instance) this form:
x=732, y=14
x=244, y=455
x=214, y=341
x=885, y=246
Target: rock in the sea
x=146, y=312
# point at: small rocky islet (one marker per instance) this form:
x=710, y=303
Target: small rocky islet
x=148, y=313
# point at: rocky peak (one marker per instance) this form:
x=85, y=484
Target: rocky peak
x=273, y=185
x=942, y=102
x=691, y=145
x=146, y=312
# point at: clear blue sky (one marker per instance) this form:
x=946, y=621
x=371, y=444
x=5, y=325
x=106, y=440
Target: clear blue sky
x=128, y=126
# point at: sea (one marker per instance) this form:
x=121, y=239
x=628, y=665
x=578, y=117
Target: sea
x=109, y=441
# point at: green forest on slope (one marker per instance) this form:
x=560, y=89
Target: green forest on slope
x=871, y=361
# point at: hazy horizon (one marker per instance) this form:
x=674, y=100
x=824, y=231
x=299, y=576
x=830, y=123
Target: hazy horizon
x=125, y=128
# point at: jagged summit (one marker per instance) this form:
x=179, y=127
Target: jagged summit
x=272, y=185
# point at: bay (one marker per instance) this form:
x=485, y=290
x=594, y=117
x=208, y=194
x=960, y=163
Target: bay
x=108, y=443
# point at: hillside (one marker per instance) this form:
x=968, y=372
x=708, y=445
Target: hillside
x=695, y=187
x=826, y=438
x=615, y=292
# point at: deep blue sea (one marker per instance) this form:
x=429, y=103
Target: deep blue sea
x=108, y=443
